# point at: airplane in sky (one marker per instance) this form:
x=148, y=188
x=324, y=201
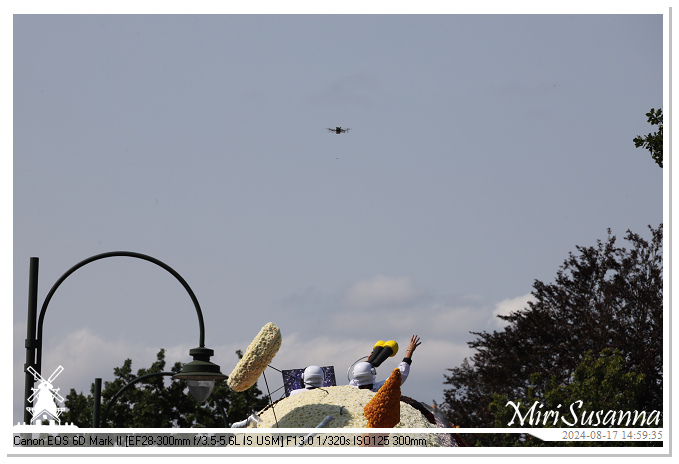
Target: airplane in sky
x=338, y=130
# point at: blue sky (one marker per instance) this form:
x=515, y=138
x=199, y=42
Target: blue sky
x=483, y=149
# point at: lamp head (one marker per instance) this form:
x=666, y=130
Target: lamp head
x=200, y=373
x=201, y=389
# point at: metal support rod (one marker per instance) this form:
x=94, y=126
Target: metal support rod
x=309, y=438
x=31, y=343
x=270, y=399
x=97, y=403
x=38, y=361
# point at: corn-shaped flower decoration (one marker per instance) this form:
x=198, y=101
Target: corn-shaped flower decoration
x=384, y=409
x=258, y=355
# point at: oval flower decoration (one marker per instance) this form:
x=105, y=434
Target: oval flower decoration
x=256, y=358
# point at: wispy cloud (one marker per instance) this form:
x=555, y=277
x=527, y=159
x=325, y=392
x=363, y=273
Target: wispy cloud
x=510, y=305
x=380, y=291
x=344, y=327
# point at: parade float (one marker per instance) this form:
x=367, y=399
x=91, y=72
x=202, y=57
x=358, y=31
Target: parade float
x=333, y=406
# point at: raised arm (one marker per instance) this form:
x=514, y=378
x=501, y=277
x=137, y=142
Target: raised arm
x=414, y=343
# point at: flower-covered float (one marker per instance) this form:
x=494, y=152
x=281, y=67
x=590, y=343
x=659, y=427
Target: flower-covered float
x=341, y=406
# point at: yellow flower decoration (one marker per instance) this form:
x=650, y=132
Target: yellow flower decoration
x=393, y=345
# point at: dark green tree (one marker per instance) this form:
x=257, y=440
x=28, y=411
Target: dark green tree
x=603, y=297
x=600, y=384
x=653, y=141
x=157, y=402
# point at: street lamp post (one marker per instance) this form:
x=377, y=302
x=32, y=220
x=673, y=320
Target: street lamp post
x=200, y=373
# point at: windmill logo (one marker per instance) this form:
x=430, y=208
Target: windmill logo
x=44, y=398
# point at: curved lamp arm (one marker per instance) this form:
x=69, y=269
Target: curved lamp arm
x=108, y=255
x=122, y=390
x=152, y=374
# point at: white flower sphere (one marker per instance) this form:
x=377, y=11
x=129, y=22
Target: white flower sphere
x=345, y=404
